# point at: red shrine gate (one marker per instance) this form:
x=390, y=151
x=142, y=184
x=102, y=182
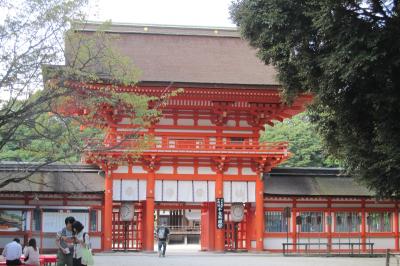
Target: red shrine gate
x=206, y=147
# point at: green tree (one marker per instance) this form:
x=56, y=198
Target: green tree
x=304, y=142
x=39, y=110
x=347, y=53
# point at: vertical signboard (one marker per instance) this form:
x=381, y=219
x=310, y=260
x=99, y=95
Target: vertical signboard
x=220, y=212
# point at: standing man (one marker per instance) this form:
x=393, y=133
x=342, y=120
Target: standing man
x=12, y=252
x=65, y=243
x=162, y=236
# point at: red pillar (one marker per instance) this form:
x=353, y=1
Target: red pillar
x=294, y=225
x=260, y=214
x=219, y=233
x=363, y=227
x=330, y=225
x=396, y=227
x=149, y=214
x=108, y=208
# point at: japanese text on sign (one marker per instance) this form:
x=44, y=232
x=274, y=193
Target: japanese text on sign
x=220, y=213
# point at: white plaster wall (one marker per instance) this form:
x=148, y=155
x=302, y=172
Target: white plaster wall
x=274, y=243
x=185, y=170
x=383, y=243
x=232, y=171
x=205, y=170
x=231, y=123
x=211, y=191
x=239, y=192
x=346, y=205
x=117, y=190
x=165, y=170
x=248, y=171
x=277, y=205
x=185, y=122
x=251, y=187
x=204, y=122
x=166, y=121
x=311, y=205
x=243, y=123
x=227, y=191
x=237, y=131
x=185, y=191
x=137, y=169
x=379, y=205
x=121, y=169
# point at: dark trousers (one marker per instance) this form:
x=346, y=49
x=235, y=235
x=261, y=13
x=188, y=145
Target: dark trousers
x=14, y=262
x=77, y=262
x=162, y=244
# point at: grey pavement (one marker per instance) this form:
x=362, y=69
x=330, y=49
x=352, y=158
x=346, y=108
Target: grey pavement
x=197, y=258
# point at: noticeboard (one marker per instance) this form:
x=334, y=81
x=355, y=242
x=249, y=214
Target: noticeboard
x=220, y=212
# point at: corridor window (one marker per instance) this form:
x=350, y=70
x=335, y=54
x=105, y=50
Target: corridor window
x=379, y=222
x=347, y=222
x=275, y=222
x=312, y=222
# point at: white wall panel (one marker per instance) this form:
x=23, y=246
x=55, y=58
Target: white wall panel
x=205, y=170
x=185, y=191
x=130, y=190
x=232, y=171
x=383, y=243
x=185, y=170
x=248, y=171
x=251, y=188
x=138, y=169
x=239, y=192
x=170, y=190
x=274, y=243
x=121, y=169
x=158, y=190
x=200, y=191
x=142, y=189
x=165, y=170
x=231, y=123
x=117, y=190
x=244, y=123
x=185, y=122
x=166, y=121
x=227, y=191
x=211, y=191
x=204, y=122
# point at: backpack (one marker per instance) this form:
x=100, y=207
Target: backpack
x=161, y=233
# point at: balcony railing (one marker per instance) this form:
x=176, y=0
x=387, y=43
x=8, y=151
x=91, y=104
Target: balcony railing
x=185, y=146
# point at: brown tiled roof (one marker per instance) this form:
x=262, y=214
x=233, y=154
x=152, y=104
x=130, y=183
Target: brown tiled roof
x=312, y=182
x=189, y=54
x=56, y=178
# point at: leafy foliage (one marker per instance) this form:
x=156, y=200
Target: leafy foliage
x=46, y=69
x=304, y=142
x=347, y=53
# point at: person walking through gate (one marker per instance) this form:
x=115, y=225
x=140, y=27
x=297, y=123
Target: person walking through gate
x=162, y=236
x=65, y=243
x=12, y=252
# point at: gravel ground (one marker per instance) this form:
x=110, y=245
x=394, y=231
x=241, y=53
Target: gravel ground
x=196, y=258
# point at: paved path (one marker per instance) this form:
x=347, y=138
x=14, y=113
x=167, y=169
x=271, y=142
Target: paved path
x=192, y=258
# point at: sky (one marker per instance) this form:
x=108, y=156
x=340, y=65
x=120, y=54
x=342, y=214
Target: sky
x=171, y=12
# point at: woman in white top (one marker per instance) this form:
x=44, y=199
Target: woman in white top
x=31, y=253
x=81, y=241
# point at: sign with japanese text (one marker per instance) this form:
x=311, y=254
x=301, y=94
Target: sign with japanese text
x=220, y=212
